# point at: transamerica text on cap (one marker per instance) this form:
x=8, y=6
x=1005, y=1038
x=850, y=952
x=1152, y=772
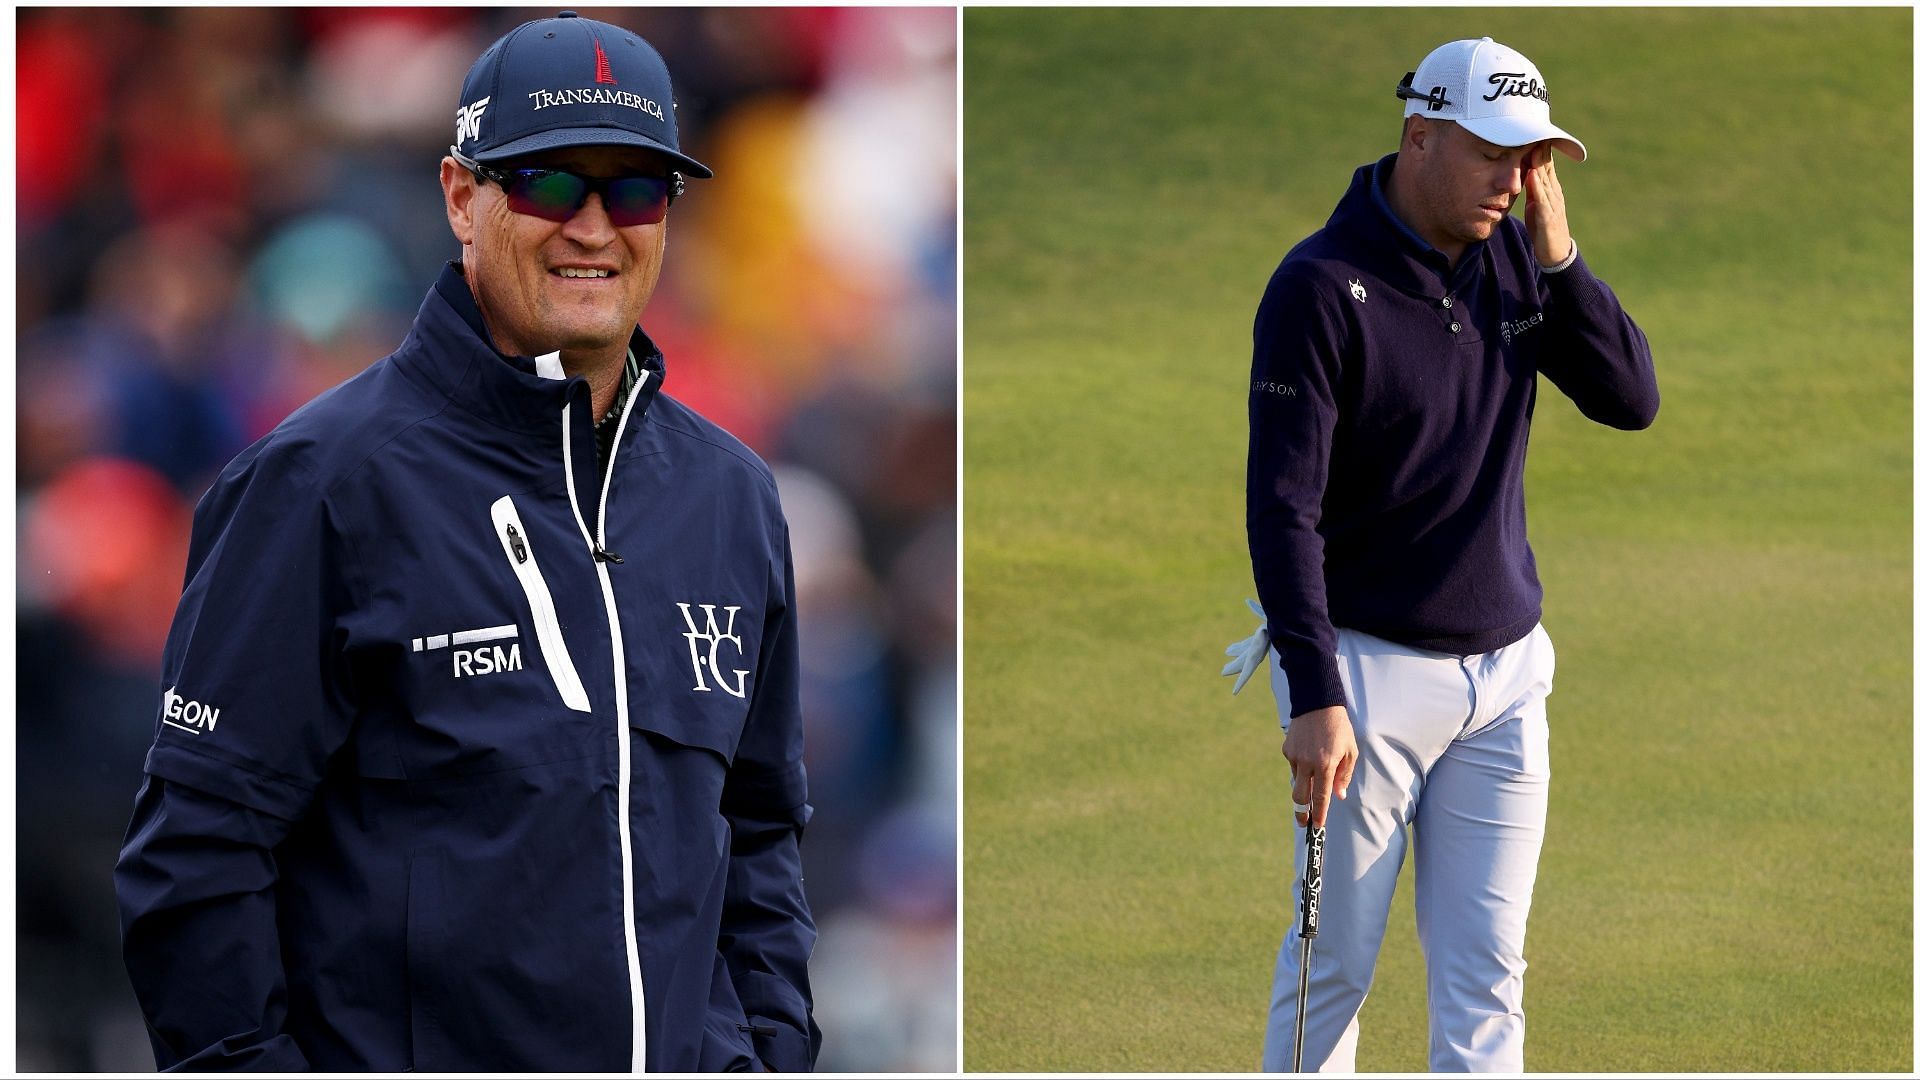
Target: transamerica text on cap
x=543, y=98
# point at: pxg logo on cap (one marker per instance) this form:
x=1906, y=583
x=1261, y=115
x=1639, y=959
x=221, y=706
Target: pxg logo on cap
x=1489, y=89
x=568, y=81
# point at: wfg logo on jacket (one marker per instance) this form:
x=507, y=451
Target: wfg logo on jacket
x=713, y=637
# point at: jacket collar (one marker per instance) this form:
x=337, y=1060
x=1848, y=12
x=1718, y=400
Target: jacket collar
x=1397, y=252
x=449, y=347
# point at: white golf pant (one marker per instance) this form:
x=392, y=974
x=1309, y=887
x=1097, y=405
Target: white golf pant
x=1453, y=749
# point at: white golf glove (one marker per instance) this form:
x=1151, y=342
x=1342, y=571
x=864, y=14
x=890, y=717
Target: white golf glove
x=1248, y=653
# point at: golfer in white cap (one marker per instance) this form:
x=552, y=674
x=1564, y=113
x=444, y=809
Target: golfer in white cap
x=1394, y=377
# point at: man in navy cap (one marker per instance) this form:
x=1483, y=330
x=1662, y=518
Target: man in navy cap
x=1395, y=364
x=480, y=745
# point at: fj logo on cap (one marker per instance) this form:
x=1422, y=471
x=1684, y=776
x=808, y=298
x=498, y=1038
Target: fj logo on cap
x=1358, y=290
x=466, y=121
x=1435, y=101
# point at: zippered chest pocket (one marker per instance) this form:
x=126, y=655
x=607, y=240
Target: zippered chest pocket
x=517, y=546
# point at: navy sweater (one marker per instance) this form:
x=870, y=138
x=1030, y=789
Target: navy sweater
x=1388, y=419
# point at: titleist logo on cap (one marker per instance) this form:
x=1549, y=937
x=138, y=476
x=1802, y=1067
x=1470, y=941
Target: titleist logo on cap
x=1516, y=84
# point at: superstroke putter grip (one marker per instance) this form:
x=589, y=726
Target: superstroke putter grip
x=1310, y=882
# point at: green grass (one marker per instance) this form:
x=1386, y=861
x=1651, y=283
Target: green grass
x=1727, y=881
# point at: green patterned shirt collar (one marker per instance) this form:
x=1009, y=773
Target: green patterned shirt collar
x=627, y=379
x=609, y=425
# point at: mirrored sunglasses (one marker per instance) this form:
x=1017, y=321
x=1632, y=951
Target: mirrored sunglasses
x=557, y=194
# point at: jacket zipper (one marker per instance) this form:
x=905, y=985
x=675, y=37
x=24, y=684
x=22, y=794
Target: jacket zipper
x=596, y=547
x=546, y=622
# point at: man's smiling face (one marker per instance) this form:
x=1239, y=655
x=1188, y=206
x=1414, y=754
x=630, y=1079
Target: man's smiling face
x=578, y=285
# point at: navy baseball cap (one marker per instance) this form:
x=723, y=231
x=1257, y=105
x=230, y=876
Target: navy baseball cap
x=568, y=81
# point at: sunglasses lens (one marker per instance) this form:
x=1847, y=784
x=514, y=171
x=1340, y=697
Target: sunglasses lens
x=546, y=194
x=638, y=200
x=556, y=196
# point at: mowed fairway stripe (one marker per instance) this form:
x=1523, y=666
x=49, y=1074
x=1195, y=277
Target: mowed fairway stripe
x=1727, y=880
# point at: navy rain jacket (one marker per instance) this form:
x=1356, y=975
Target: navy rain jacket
x=470, y=760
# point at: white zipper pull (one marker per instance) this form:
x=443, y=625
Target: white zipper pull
x=517, y=546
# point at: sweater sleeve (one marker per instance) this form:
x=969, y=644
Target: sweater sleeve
x=1593, y=351
x=1291, y=412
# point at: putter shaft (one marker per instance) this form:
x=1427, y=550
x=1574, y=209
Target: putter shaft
x=1300, y=1002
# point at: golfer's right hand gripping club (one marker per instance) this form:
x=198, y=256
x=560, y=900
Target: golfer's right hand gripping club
x=1310, y=883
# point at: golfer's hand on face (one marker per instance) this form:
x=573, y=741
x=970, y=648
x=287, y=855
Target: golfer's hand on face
x=1321, y=752
x=1546, y=207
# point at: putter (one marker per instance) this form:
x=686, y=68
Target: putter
x=1309, y=928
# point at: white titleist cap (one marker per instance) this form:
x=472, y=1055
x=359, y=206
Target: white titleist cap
x=1490, y=90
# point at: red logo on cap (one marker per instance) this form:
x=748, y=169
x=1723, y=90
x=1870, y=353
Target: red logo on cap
x=602, y=73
